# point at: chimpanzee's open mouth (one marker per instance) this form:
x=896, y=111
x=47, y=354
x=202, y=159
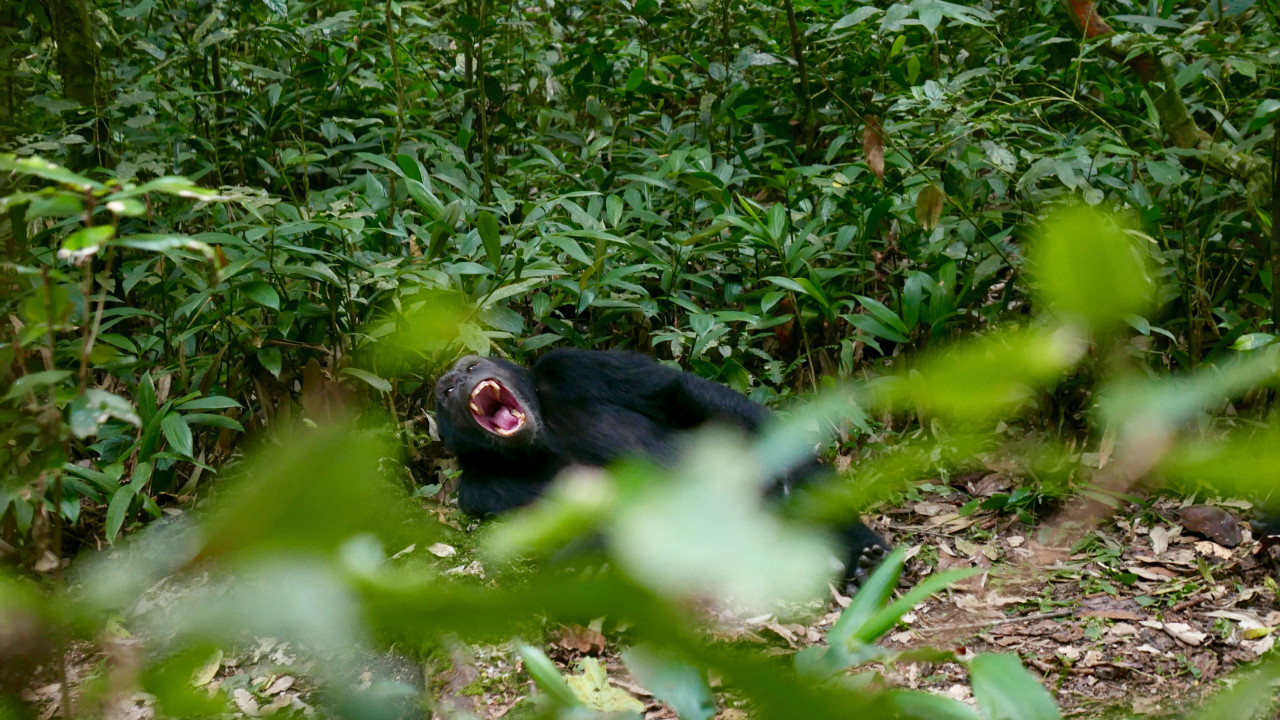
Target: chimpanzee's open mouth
x=496, y=409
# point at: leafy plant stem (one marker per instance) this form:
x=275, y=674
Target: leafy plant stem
x=91, y=328
x=394, y=50
x=806, y=97
x=1275, y=229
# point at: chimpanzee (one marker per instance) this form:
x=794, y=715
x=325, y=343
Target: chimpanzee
x=514, y=429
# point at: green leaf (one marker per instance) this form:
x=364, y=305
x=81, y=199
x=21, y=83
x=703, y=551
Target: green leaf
x=634, y=78
x=170, y=185
x=920, y=704
x=874, y=327
x=35, y=380
x=382, y=162
x=430, y=205
x=141, y=474
x=374, y=381
x=676, y=683
x=593, y=690
x=94, y=407
x=868, y=600
x=85, y=241
x=1088, y=267
x=1252, y=341
x=39, y=167
x=777, y=220
x=262, y=293
x=121, y=501
x=487, y=226
x=857, y=16
x=146, y=398
x=1249, y=693
x=787, y=283
x=545, y=674
x=271, y=359
x=176, y=431
x=213, y=402
x=1006, y=691
x=882, y=313
x=221, y=421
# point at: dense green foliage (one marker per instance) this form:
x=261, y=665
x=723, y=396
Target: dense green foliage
x=279, y=210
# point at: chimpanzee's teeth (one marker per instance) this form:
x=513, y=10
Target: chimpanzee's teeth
x=476, y=409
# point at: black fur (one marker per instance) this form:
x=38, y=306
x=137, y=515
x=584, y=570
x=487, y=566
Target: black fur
x=586, y=407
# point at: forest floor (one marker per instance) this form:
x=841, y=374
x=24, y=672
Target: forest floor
x=1138, y=617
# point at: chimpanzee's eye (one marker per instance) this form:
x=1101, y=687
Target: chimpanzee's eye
x=471, y=367
x=448, y=391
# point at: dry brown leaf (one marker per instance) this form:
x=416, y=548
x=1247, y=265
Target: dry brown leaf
x=1212, y=549
x=933, y=509
x=1185, y=633
x=442, y=550
x=873, y=146
x=586, y=640
x=1159, y=540
x=929, y=204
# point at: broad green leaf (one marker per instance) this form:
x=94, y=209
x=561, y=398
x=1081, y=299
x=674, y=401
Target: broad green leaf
x=178, y=433
x=1088, y=267
x=94, y=407
x=141, y=475
x=213, y=402
x=382, y=162
x=487, y=226
x=85, y=242
x=870, y=325
x=430, y=205
x=33, y=381
x=928, y=706
x=271, y=359
x=704, y=531
x=1250, y=694
x=788, y=284
x=1252, y=341
x=170, y=185
x=39, y=167
x=121, y=501
x=984, y=376
x=882, y=313
x=219, y=421
x=679, y=685
x=377, y=383
x=868, y=600
x=777, y=218
x=262, y=293
x=857, y=16
x=1006, y=691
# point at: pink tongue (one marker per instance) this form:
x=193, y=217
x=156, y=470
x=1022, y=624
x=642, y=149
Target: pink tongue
x=505, y=420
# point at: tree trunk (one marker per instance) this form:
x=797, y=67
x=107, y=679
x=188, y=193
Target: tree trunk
x=77, y=59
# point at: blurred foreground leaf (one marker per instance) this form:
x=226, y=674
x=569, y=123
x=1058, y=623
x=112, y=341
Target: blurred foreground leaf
x=1088, y=267
x=672, y=681
x=1006, y=691
x=705, y=531
x=321, y=488
x=980, y=378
